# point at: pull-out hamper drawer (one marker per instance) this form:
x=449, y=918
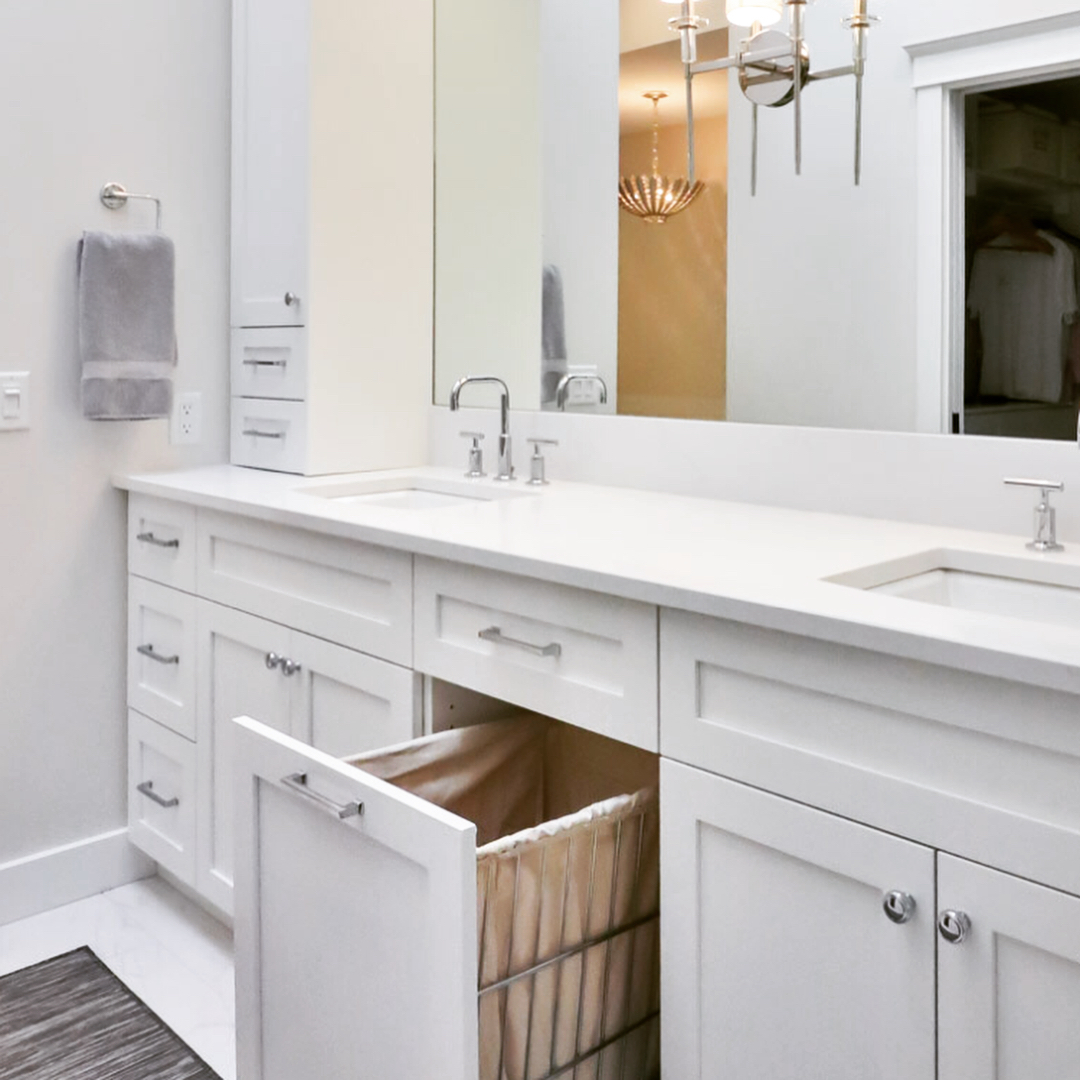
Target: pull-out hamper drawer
x=370, y=873
x=161, y=796
x=268, y=434
x=579, y=656
x=161, y=654
x=161, y=541
x=345, y=591
x=269, y=362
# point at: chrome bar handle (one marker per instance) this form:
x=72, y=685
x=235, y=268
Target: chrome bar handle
x=298, y=782
x=265, y=363
x=150, y=538
x=148, y=652
x=255, y=433
x=147, y=788
x=495, y=634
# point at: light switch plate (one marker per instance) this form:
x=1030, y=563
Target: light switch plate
x=14, y=400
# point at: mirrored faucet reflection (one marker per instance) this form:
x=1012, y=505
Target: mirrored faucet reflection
x=506, y=465
x=562, y=391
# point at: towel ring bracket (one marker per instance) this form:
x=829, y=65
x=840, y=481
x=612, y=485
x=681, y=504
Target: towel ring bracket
x=115, y=197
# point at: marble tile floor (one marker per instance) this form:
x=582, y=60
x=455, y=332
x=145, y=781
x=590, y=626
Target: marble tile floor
x=172, y=954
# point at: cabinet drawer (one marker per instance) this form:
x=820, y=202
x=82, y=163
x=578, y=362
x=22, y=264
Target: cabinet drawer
x=269, y=362
x=269, y=434
x=161, y=654
x=161, y=796
x=578, y=656
x=353, y=593
x=161, y=541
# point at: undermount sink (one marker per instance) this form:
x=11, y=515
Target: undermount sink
x=413, y=492
x=975, y=581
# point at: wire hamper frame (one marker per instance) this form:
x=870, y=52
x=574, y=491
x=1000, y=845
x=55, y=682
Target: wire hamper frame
x=582, y=1005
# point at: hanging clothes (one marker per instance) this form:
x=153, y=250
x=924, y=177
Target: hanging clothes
x=1023, y=300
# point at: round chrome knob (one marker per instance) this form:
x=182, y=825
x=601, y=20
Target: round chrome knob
x=273, y=660
x=954, y=926
x=898, y=906
x=291, y=298
x=290, y=667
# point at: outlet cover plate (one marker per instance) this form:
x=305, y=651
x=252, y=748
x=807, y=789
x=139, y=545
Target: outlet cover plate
x=187, y=419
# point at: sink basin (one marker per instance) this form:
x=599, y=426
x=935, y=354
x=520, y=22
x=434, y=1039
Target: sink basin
x=413, y=492
x=974, y=581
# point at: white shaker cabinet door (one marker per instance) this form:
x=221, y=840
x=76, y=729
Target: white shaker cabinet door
x=270, y=162
x=777, y=958
x=1009, y=991
x=344, y=702
x=355, y=924
x=235, y=680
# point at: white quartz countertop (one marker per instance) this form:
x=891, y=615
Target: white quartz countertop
x=755, y=564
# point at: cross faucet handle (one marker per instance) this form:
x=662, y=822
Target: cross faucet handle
x=1045, y=514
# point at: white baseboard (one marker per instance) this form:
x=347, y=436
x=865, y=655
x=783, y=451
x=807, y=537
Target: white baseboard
x=50, y=879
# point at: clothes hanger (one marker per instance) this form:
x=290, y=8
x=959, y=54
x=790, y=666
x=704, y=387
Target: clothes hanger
x=1020, y=233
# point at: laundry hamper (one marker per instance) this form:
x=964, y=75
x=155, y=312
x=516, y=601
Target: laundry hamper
x=567, y=892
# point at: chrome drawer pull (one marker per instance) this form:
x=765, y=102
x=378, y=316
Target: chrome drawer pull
x=494, y=634
x=147, y=788
x=266, y=363
x=150, y=538
x=148, y=652
x=264, y=434
x=298, y=782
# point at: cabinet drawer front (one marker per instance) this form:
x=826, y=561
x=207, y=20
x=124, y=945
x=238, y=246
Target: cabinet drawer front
x=269, y=434
x=161, y=795
x=269, y=362
x=161, y=654
x=975, y=765
x=352, y=593
x=578, y=656
x=161, y=541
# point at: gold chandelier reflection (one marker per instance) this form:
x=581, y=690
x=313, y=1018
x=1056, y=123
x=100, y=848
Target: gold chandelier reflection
x=655, y=198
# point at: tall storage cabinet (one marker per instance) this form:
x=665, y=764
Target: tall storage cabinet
x=332, y=235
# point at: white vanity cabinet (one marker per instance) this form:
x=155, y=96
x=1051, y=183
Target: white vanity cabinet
x=201, y=651
x=779, y=958
x=331, y=247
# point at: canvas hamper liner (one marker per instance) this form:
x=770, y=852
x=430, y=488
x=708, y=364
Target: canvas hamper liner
x=567, y=875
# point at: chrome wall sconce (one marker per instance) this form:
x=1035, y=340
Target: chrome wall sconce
x=773, y=64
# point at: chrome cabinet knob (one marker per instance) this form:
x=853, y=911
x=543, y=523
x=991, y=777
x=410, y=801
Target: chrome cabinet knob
x=273, y=660
x=898, y=906
x=954, y=926
x=291, y=298
x=290, y=667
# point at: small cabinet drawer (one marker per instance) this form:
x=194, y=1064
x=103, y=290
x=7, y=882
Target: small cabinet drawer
x=268, y=434
x=578, y=656
x=161, y=541
x=269, y=362
x=161, y=654
x=161, y=799
x=345, y=591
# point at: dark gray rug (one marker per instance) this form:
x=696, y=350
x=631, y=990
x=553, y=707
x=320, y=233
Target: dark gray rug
x=71, y=1018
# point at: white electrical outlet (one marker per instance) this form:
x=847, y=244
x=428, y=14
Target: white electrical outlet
x=187, y=419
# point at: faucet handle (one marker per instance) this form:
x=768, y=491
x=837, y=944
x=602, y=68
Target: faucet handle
x=476, y=453
x=536, y=462
x=1045, y=514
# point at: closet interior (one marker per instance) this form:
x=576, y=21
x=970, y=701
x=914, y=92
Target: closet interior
x=1021, y=370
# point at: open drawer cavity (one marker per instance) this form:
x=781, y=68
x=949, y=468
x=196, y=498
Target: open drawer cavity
x=512, y=932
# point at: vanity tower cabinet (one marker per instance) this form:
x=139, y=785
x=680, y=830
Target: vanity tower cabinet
x=331, y=235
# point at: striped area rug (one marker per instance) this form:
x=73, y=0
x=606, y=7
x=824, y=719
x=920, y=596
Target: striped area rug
x=71, y=1018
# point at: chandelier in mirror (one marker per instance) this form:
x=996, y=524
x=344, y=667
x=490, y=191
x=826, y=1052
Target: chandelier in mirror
x=774, y=64
x=656, y=198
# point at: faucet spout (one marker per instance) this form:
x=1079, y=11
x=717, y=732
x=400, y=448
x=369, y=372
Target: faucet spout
x=506, y=465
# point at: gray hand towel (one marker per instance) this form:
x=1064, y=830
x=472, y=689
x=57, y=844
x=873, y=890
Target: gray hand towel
x=127, y=325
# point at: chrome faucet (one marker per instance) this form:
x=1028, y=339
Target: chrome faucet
x=563, y=389
x=506, y=465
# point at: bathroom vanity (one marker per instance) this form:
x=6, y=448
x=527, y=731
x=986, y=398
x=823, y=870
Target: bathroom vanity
x=870, y=845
